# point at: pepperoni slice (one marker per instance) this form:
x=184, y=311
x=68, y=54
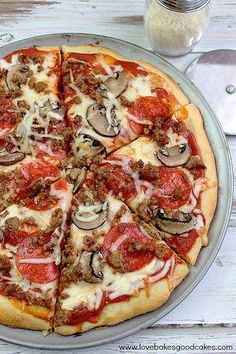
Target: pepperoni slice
x=41, y=202
x=42, y=273
x=132, y=68
x=37, y=169
x=124, y=235
x=183, y=244
x=172, y=189
x=84, y=314
x=45, y=200
x=8, y=114
x=15, y=238
x=30, y=172
x=121, y=182
x=160, y=92
x=147, y=108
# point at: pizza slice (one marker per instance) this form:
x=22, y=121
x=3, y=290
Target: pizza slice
x=172, y=186
x=111, y=101
x=33, y=221
x=114, y=268
x=31, y=100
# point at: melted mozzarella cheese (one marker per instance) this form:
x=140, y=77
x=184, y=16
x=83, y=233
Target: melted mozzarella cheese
x=80, y=109
x=32, y=119
x=86, y=293
x=199, y=222
x=143, y=148
x=43, y=217
x=117, y=284
x=35, y=100
x=6, y=65
x=175, y=139
x=114, y=206
x=37, y=260
x=138, y=86
x=199, y=186
x=110, y=104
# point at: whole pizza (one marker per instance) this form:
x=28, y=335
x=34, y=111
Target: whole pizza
x=108, y=188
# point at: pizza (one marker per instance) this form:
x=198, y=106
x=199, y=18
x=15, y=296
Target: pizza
x=108, y=188
x=121, y=263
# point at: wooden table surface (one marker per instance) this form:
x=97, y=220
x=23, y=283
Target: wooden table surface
x=208, y=315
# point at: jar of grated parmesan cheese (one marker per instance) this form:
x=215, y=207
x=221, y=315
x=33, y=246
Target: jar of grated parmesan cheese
x=175, y=26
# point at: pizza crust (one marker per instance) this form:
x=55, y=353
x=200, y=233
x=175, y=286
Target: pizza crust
x=15, y=313
x=94, y=49
x=55, y=50
x=49, y=49
x=208, y=197
x=121, y=311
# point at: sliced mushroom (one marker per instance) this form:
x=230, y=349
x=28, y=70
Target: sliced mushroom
x=90, y=217
x=17, y=75
x=54, y=107
x=92, y=266
x=96, y=263
x=102, y=121
x=175, y=222
x=79, y=180
x=174, y=156
x=1, y=235
x=7, y=159
x=58, y=108
x=115, y=84
x=86, y=145
x=76, y=176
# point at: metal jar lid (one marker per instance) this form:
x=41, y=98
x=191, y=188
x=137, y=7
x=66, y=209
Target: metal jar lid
x=183, y=5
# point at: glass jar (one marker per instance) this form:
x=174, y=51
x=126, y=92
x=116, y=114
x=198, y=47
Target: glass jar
x=174, y=27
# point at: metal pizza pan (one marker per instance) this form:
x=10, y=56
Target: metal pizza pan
x=219, y=224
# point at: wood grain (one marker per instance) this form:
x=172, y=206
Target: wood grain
x=10, y=9
x=208, y=315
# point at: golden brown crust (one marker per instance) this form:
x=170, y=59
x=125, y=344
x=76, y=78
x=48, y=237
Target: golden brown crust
x=15, y=313
x=94, y=49
x=121, y=311
x=49, y=49
x=209, y=195
x=55, y=50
